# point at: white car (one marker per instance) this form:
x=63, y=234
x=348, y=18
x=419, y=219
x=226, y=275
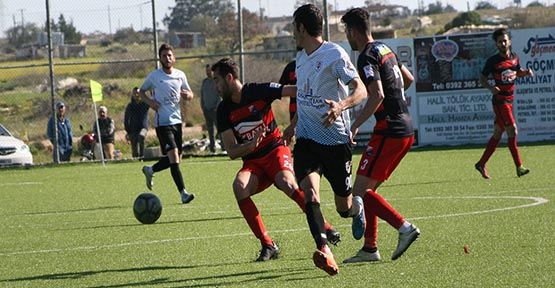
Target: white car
x=13, y=151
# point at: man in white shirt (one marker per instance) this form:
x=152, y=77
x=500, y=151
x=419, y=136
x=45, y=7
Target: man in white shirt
x=168, y=85
x=322, y=133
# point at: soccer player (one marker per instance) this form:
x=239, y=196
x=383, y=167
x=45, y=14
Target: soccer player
x=505, y=67
x=168, y=86
x=249, y=130
x=322, y=128
x=386, y=81
x=288, y=77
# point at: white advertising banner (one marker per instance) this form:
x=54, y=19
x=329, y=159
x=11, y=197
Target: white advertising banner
x=453, y=109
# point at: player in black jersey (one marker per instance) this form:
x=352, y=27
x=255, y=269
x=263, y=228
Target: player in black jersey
x=386, y=81
x=249, y=131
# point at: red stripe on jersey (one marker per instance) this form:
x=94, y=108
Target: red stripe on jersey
x=244, y=112
x=387, y=57
x=507, y=64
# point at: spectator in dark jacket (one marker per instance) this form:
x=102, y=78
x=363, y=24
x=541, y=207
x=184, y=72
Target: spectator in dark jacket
x=107, y=132
x=65, y=135
x=136, y=123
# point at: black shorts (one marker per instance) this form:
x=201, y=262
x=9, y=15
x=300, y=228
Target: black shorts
x=170, y=137
x=334, y=162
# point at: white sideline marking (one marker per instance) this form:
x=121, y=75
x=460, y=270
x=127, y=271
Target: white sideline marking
x=20, y=183
x=537, y=201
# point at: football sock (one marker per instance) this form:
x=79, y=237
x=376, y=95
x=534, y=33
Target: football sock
x=254, y=220
x=376, y=205
x=514, y=151
x=490, y=148
x=177, y=177
x=162, y=164
x=298, y=197
x=316, y=224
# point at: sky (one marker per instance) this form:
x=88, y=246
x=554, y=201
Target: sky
x=110, y=15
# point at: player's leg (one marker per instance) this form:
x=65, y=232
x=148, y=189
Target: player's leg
x=510, y=127
x=174, y=156
x=163, y=133
x=279, y=164
x=498, y=129
x=337, y=171
x=307, y=170
x=246, y=183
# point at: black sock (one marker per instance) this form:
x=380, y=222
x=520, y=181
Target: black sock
x=177, y=177
x=162, y=164
x=316, y=223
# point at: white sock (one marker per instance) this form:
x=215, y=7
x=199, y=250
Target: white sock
x=405, y=227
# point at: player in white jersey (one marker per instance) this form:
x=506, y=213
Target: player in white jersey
x=322, y=128
x=168, y=85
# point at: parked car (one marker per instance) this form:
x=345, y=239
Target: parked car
x=13, y=151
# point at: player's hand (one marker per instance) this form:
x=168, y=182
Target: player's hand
x=333, y=113
x=495, y=90
x=257, y=139
x=288, y=134
x=186, y=94
x=155, y=106
x=354, y=132
x=530, y=72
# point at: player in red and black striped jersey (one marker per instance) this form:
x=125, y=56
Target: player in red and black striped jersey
x=288, y=77
x=505, y=68
x=386, y=81
x=249, y=130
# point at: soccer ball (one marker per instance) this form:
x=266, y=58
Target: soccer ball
x=147, y=208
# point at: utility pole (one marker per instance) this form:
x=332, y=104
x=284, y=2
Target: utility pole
x=109, y=21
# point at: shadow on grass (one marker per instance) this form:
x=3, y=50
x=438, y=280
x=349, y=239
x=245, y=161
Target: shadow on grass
x=65, y=211
x=222, y=279
x=174, y=222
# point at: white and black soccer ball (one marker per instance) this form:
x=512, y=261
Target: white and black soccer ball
x=147, y=208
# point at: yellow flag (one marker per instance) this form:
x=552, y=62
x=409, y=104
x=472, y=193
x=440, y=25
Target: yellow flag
x=96, y=91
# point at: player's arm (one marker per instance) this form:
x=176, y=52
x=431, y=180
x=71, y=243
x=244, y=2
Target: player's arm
x=358, y=93
x=186, y=94
x=289, y=91
x=375, y=98
x=151, y=102
x=524, y=73
x=236, y=150
x=484, y=81
x=407, y=76
x=289, y=131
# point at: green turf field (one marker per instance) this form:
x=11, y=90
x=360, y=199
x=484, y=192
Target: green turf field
x=73, y=226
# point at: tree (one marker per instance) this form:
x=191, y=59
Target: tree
x=185, y=10
x=437, y=8
x=21, y=35
x=227, y=29
x=463, y=19
x=127, y=36
x=71, y=36
x=482, y=5
x=535, y=4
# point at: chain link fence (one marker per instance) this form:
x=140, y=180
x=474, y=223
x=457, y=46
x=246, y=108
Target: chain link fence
x=119, y=57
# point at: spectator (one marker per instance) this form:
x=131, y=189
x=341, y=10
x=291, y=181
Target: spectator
x=209, y=100
x=65, y=135
x=106, y=131
x=136, y=123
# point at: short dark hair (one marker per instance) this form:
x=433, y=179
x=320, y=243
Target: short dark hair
x=357, y=19
x=226, y=66
x=500, y=32
x=164, y=47
x=311, y=17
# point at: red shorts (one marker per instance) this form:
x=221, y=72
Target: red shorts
x=504, y=115
x=382, y=155
x=265, y=168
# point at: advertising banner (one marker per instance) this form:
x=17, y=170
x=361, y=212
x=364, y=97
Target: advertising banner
x=454, y=109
